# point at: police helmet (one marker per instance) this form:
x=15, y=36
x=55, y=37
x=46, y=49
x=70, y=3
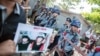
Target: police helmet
x=76, y=23
x=56, y=10
x=68, y=19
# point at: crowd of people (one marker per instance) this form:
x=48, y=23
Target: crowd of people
x=45, y=17
x=11, y=13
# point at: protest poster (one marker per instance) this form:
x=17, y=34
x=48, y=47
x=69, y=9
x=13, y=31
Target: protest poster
x=30, y=38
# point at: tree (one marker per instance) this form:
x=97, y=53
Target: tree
x=94, y=18
x=96, y=10
x=94, y=2
x=63, y=4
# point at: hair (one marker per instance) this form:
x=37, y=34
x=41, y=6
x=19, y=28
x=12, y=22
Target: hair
x=40, y=37
x=20, y=40
x=68, y=19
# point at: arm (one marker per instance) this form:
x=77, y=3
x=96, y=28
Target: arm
x=77, y=41
x=77, y=48
x=7, y=48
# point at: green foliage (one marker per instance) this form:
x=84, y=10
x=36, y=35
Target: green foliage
x=63, y=5
x=94, y=2
x=50, y=3
x=94, y=18
x=95, y=9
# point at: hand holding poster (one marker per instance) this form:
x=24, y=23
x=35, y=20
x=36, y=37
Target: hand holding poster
x=30, y=38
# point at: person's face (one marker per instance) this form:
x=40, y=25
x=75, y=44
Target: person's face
x=67, y=23
x=39, y=40
x=44, y=10
x=55, y=14
x=24, y=39
x=74, y=29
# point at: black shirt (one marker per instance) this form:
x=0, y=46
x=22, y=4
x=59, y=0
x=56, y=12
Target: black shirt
x=35, y=46
x=10, y=24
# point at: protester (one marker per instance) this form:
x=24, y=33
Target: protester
x=72, y=35
x=95, y=49
x=10, y=15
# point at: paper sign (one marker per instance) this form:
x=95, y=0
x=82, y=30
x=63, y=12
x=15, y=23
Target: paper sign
x=30, y=38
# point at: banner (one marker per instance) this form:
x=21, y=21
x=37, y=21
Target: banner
x=30, y=38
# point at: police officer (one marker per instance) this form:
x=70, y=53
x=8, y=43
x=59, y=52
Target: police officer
x=11, y=13
x=41, y=16
x=66, y=25
x=73, y=36
x=52, y=21
x=46, y=17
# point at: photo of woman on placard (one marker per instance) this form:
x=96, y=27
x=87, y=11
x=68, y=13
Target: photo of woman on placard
x=38, y=44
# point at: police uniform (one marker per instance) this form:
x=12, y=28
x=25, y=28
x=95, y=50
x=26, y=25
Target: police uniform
x=40, y=18
x=45, y=21
x=52, y=22
x=65, y=28
x=72, y=36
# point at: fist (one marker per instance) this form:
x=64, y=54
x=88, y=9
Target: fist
x=7, y=48
x=65, y=38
